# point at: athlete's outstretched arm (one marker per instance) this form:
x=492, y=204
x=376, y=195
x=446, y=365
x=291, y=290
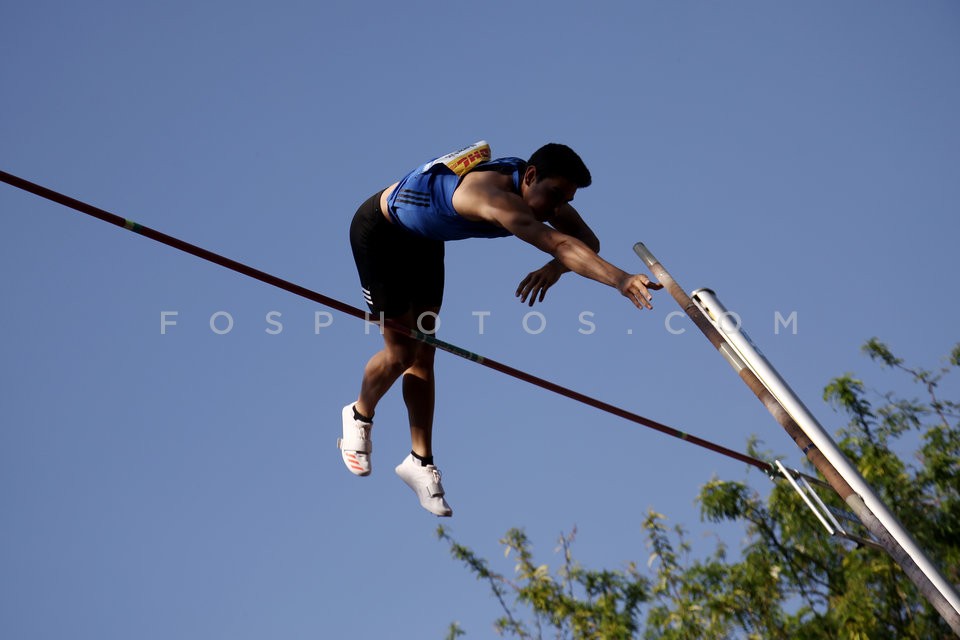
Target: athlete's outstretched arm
x=509, y=211
x=568, y=220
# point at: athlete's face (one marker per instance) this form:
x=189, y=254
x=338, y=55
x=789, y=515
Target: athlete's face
x=545, y=195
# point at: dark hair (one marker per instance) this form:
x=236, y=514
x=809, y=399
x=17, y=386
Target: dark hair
x=561, y=161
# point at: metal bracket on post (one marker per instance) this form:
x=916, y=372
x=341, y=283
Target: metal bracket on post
x=825, y=514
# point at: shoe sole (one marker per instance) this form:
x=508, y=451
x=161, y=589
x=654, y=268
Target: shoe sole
x=446, y=514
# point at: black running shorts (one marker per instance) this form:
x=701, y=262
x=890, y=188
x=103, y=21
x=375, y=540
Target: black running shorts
x=399, y=271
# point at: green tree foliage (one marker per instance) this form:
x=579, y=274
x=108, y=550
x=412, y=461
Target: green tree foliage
x=790, y=579
x=576, y=602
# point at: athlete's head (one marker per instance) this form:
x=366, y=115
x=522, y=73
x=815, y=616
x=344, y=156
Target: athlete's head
x=559, y=160
x=553, y=175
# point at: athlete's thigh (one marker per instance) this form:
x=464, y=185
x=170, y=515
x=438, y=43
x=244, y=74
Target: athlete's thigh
x=427, y=269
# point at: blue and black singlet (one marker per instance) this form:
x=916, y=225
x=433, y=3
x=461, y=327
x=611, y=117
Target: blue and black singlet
x=422, y=203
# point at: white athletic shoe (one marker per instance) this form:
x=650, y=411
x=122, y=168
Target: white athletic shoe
x=425, y=482
x=355, y=445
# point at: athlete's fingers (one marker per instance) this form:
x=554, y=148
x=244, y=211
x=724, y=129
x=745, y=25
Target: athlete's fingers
x=538, y=294
x=524, y=284
x=533, y=288
x=535, y=291
x=642, y=296
x=527, y=288
x=650, y=284
x=635, y=289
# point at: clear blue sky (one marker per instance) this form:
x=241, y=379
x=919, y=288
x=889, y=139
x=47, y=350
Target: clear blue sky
x=793, y=156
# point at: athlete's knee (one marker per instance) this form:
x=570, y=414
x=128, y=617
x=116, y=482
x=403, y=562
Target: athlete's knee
x=421, y=366
x=424, y=356
x=401, y=356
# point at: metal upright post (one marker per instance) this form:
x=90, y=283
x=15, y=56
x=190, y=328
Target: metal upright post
x=819, y=448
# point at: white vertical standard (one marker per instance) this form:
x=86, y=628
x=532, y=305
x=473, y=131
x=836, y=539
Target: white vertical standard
x=728, y=325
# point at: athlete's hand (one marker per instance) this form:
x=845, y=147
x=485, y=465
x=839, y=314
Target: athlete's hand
x=537, y=282
x=637, y=289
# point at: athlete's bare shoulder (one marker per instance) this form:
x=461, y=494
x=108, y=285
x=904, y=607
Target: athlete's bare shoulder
x=479, y=191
